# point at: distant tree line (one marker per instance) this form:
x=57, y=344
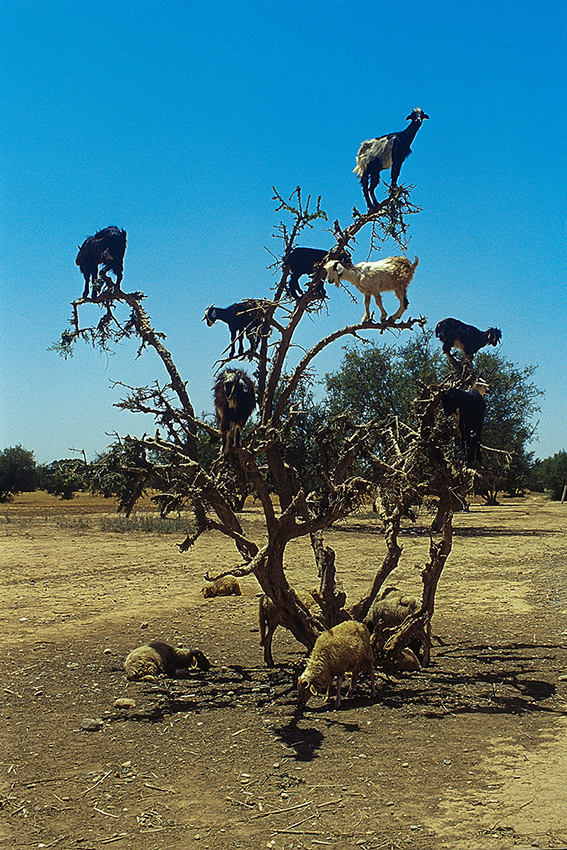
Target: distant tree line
x=551, y=475
x=373, y=381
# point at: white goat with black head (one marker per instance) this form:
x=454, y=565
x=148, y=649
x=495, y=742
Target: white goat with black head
x=392, y=274
x=388, y=151
x=235, y=399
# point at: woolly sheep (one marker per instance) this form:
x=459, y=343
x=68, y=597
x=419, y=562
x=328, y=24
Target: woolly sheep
x=158, y=659
x=224, y=586
x=270, y=617
x=388, y=611
x=344, y=647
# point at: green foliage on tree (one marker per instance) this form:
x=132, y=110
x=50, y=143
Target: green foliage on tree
x=18, y=472
x=375, y=381
x=63, y=478
x=550, y=474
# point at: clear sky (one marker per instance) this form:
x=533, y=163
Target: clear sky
x=174, y=119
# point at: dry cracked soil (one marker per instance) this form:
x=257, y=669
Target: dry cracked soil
x=469, y=753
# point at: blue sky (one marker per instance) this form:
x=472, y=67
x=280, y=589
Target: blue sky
x=174, y=119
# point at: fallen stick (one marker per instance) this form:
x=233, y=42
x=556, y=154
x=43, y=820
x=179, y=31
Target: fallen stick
x=106, y=814
x=102, y=778
x=157, y=788
x=279, y=811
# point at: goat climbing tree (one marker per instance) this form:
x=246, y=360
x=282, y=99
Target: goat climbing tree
x=355, y=460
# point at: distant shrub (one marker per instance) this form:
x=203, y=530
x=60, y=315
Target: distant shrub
x=149, y=523
x=18, y=472
x=550, y=474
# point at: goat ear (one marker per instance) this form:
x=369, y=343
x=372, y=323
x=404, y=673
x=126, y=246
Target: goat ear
x=313, y=690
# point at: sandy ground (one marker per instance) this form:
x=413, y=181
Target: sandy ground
x=470, y=753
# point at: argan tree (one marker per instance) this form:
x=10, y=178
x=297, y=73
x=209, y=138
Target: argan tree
x=354, y=460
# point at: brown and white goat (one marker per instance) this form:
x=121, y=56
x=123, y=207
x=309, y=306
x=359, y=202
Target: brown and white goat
x=392, y=274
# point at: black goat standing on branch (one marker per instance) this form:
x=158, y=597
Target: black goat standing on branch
x=301, y=261
x=455, y=334
x=471, y=408
x=235, y=399
x=244, y=319
x=107, y=246
x=388, y=151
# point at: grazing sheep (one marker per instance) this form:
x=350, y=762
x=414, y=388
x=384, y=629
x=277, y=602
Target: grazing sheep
x=270, y=617
x=387, y=151
x=344, y=647
x=471, y=408
x=244, y=319
x=235, y=399
x=392, y=274
x=158, y=659
x=302, y=261
x=107, y=246
x=388, y=612
x=224, y=586
x=455, y=334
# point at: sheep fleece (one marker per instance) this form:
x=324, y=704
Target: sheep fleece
x=157, y=659
x=225, y=586
x=344, y=647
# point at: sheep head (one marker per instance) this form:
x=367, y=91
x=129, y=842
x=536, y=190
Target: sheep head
x=305, y=689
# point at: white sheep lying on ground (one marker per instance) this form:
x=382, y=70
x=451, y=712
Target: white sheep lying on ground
x=270, y=617
x=344, y=647
x=224, y=586
x=388, y=612
x=158, y=659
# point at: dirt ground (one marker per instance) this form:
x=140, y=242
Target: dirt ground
x=469, y=753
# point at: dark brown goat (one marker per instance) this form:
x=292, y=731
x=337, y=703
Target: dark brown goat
x=471, y=408
x=107, y=246
x=235, y=399
x=244, y=319
x=455, y=334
